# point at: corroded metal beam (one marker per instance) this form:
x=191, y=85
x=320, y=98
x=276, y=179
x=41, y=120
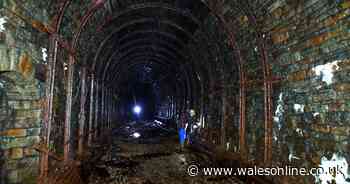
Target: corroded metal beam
x=267, y=91
x=97, y=111
x=102, y=107
x=68, y=117
x=71, y=65
x=230, y=30
x=92, y=112
x=101, y=49
x=50, y=87
x=82, y=115
x=48, y=110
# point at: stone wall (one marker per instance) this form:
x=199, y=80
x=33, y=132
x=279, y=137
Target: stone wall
x=21, y=50
x=308, y=48
x=311, y=52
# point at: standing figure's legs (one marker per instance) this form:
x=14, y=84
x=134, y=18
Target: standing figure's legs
x=182, y=137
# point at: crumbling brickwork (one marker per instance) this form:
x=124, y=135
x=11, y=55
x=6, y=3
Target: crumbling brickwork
x=21, y=93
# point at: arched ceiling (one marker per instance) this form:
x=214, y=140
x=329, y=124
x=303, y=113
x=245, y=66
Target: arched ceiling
x=149, y=41
x=153, y=32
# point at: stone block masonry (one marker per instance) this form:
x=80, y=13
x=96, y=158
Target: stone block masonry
x=312, y=39
x=20, y=95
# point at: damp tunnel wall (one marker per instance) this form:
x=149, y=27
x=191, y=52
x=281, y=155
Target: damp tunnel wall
x=268, y=79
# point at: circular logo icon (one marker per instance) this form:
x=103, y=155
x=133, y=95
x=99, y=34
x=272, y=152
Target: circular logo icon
x=193, y=170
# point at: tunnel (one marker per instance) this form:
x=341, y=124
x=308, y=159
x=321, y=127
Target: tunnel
x=174, y=91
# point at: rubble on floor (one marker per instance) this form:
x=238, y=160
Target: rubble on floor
x=153, y=159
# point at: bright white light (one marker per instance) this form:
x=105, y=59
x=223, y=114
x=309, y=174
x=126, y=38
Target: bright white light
x=65, y=66
x=341, y=165
x=186, y=125
x=275, y=138
x=2, y=24
x=316, y=114
x=299, y=131
x=44, y=52
x=291, y=157
x=279, y=110
x=158, y=122
x=227, y=146
x=299, y=107
x=136, y=135
x=137, y=109
x=326, y=71
x=202, y=123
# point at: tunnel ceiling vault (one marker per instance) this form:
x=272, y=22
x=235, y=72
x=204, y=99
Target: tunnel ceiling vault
x=154, y=42
x=147, y=42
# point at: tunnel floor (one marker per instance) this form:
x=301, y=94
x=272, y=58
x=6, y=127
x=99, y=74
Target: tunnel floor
x=145, y=152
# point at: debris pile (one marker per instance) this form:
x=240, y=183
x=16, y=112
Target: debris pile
x=151, y=158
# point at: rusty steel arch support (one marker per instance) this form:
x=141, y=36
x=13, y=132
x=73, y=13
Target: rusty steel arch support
x=176, y=81
x=146, y=56
x=190, y=85
x=132, y=53
x=168, y=35
x=48, y=117
x=67, y=124
x=230, y=29
x=242, y=85
x=137, y=57
x=110, y=61
x=204, y=76
x=91, y=111
x=102, y=107
x=267, y=91
x=134, y=50
x=140, y=6
x=82, y=114
x=67, y=137
x=154, y=46
x=109, y=67
x=97, y=112
x=268, y=85
x=49, y=91
x=242, y=91
x=101, y=47
x=140, y=60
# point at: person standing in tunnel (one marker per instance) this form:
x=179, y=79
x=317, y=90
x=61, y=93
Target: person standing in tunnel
x=184, y=118
x=191, y=126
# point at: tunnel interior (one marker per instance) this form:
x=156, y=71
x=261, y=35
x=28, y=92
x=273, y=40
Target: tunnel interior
x=101, y=91
x=144, y=59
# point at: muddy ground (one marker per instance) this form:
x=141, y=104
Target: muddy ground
x=148, y=153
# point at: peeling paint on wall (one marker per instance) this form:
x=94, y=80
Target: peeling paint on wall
x=316, y=114
x=2, y=23
x=44, y=54
x=338, y=164
x=279, y=111
x=299, y=107
x=326, y=71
